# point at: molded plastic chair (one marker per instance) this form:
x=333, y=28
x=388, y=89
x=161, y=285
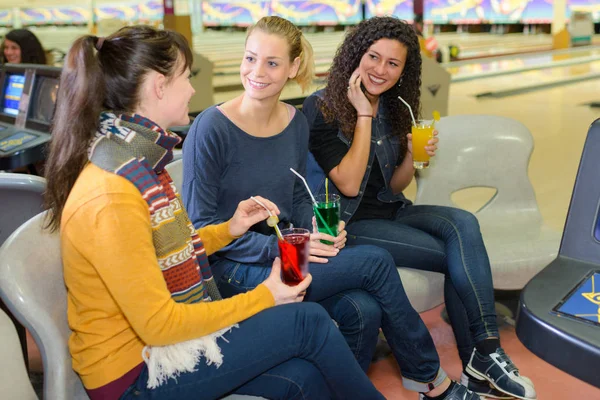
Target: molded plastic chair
x=21, y=199
x=494, y=152
x=175, y=170
x=14, y=381
x=32, y=287
x=425, y=289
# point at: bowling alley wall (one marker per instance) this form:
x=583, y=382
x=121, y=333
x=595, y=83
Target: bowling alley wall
x=347, y=12
x=217, y=13
x=82, y=13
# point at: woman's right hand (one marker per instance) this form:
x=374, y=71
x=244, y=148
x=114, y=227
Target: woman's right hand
x=250, y=212
x=357, y=97
x=282, y=293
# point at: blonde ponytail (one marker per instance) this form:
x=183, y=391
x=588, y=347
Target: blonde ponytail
x=306, y=71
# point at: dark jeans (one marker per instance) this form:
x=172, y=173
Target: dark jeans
x=381, y=294
x=446, y=240
x=286, y=352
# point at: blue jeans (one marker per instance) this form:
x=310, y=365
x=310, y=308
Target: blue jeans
x=286, y=352
x=446, y=240
x=380, y=301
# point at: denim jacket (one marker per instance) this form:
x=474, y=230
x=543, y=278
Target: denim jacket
x=383, y=144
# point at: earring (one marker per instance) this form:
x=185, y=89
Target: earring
x=400, y=82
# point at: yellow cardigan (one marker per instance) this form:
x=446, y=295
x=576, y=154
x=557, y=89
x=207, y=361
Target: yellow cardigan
x=118, y=300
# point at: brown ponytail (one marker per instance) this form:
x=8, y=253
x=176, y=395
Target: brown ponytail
x=79, y=101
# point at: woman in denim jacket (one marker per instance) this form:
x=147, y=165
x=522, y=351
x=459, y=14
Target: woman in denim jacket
x=359, y=140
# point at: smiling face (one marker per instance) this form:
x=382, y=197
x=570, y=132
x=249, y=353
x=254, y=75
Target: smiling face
x=382, y=65
x=12, y=52
x=266, y=67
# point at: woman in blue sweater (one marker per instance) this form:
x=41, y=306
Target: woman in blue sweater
x=246, y=147
x=359, y=139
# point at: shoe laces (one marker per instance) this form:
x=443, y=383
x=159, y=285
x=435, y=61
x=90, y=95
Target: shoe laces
x=509, y=365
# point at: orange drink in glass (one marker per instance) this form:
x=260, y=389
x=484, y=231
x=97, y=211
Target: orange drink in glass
x=421, y=133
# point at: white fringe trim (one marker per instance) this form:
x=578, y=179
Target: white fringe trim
x=166, y=362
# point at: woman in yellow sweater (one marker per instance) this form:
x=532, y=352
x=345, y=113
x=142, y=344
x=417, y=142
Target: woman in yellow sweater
x=144, y=309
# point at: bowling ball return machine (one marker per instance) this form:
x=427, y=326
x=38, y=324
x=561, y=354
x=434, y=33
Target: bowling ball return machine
x=559, y=312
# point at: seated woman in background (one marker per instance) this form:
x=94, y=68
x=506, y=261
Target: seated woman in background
x=359, y=139
x=143, y=308
x=248, y=145
x=21, y=46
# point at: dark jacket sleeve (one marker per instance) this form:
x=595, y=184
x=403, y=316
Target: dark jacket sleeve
x=324, y=143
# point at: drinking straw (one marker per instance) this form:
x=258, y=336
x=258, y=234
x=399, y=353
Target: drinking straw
x=326, y=191
x=277, y=231
x=409, y=109
x=313, y=201
x=295, y=269
x=305, y=184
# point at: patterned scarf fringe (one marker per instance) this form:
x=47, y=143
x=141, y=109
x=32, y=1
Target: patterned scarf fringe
x=170, y=361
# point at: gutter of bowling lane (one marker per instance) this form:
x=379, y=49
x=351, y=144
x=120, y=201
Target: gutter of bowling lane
x=511, y=56
x=540, y=86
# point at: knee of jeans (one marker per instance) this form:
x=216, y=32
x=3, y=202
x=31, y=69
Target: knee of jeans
x=376, y=255
x=313, y=312
x=359, y=309
x=463, y=218
x=306, y=381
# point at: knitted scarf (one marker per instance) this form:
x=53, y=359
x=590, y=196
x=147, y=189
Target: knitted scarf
x=138, y=150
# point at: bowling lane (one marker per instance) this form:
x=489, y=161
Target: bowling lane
x=492, y=44
x=536, y=77
x=489, y=45
x=516, y=62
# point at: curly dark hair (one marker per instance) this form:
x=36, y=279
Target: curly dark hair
x=336, y=106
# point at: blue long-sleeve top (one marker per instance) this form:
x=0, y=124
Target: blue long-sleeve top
x=223, y=165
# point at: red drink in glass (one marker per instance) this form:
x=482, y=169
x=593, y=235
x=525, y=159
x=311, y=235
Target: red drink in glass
x=294, y=252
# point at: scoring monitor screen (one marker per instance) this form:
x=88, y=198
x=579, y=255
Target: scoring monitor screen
x=13, y=89
x=43, y=99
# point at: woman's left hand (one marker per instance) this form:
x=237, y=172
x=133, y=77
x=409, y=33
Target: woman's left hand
x=340, y=240
x=319, y=251
x=248, y=213
x=431, y=144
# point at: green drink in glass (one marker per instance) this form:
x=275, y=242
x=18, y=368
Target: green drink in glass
x=327, y=214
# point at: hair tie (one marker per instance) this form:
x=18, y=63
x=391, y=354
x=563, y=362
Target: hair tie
x=99, y=42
